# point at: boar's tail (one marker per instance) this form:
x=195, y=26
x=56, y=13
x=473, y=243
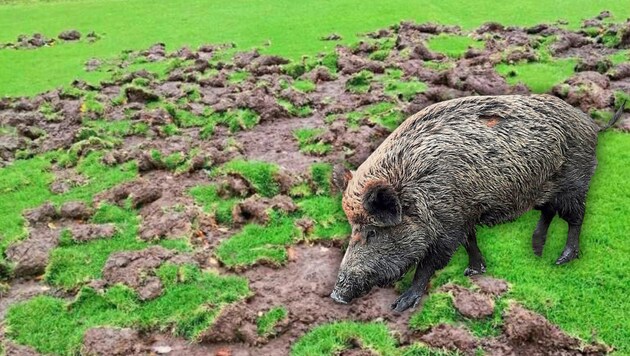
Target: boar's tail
x=615, y=117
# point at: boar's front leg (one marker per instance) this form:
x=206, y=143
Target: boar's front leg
x=411, y=297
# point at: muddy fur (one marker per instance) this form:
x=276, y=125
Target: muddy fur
x=472, y=161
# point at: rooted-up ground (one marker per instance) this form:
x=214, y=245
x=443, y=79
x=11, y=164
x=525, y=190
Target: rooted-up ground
x=188, y=197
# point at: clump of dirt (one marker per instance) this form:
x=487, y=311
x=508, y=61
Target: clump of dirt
x=13, y=349
x=235, y=323
x=115, y=342
x=524, y=327
x=353, y=146
x=42, y=214
x=70, y=35
x=452, y=338
x=136, y=269
x=489, y=285
x=586, y=90
x=257, y=208
x=159, y=221
x=66, y=180
x=233, y=185
x=76, y=210
x=30, y=257
x=20, y=291
x=471, y=304
x=141, y=192
x=88, y=232
x=528, y=333
x=332, y=37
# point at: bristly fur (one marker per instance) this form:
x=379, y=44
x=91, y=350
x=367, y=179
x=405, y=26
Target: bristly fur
x=471, y=161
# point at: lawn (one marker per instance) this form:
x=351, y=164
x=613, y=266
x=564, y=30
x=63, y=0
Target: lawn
x=291, y=28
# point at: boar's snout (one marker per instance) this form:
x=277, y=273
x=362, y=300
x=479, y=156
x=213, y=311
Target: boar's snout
x=337, y=297
x=340, y=292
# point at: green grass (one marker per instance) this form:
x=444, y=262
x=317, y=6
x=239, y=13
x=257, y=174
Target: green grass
x=24, y=185
x=540, y=77
x=190, y=302
x=74, y=264
x=451, y=45
x=309, y=142
x=257, y=243
x=293, y=28
x=221, y=209
x=360, y=82
x=238, y=76
x=261, y=175
x=268, y=321
x=305, y=86
x=620, y=57
x=330, y=339
x=385, y=114
x=299, y=111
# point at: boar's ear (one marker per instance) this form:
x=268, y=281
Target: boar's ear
x=382, y=203
x=340, y=177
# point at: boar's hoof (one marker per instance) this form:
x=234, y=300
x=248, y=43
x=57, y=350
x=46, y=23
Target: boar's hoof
x=568, y=255
x=472, y=271
x=409, y=299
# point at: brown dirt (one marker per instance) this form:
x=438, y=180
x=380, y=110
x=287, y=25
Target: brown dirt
x=489, y=285
x=256, y=209
x=528, y=333
x=136, y=269
x=451, y=338
x=88, y=232
x=114, y=342
x=31, y=255
x=471, y=304
x=13, y=349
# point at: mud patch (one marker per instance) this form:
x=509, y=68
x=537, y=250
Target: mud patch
x=489, y=285
x=256, y=208
x=451, y=338
x=115, y=342
x=471, y=304
x=136, y=269
x=31, y=255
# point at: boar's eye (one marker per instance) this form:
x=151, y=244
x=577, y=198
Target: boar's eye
x=370, y=234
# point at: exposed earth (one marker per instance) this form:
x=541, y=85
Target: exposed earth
x=163, y=163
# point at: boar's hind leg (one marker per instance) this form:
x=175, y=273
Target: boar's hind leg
x=571, y=209
x=476, y=265
x=540, y=234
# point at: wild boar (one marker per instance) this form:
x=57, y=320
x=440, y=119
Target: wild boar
x=454, y=165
